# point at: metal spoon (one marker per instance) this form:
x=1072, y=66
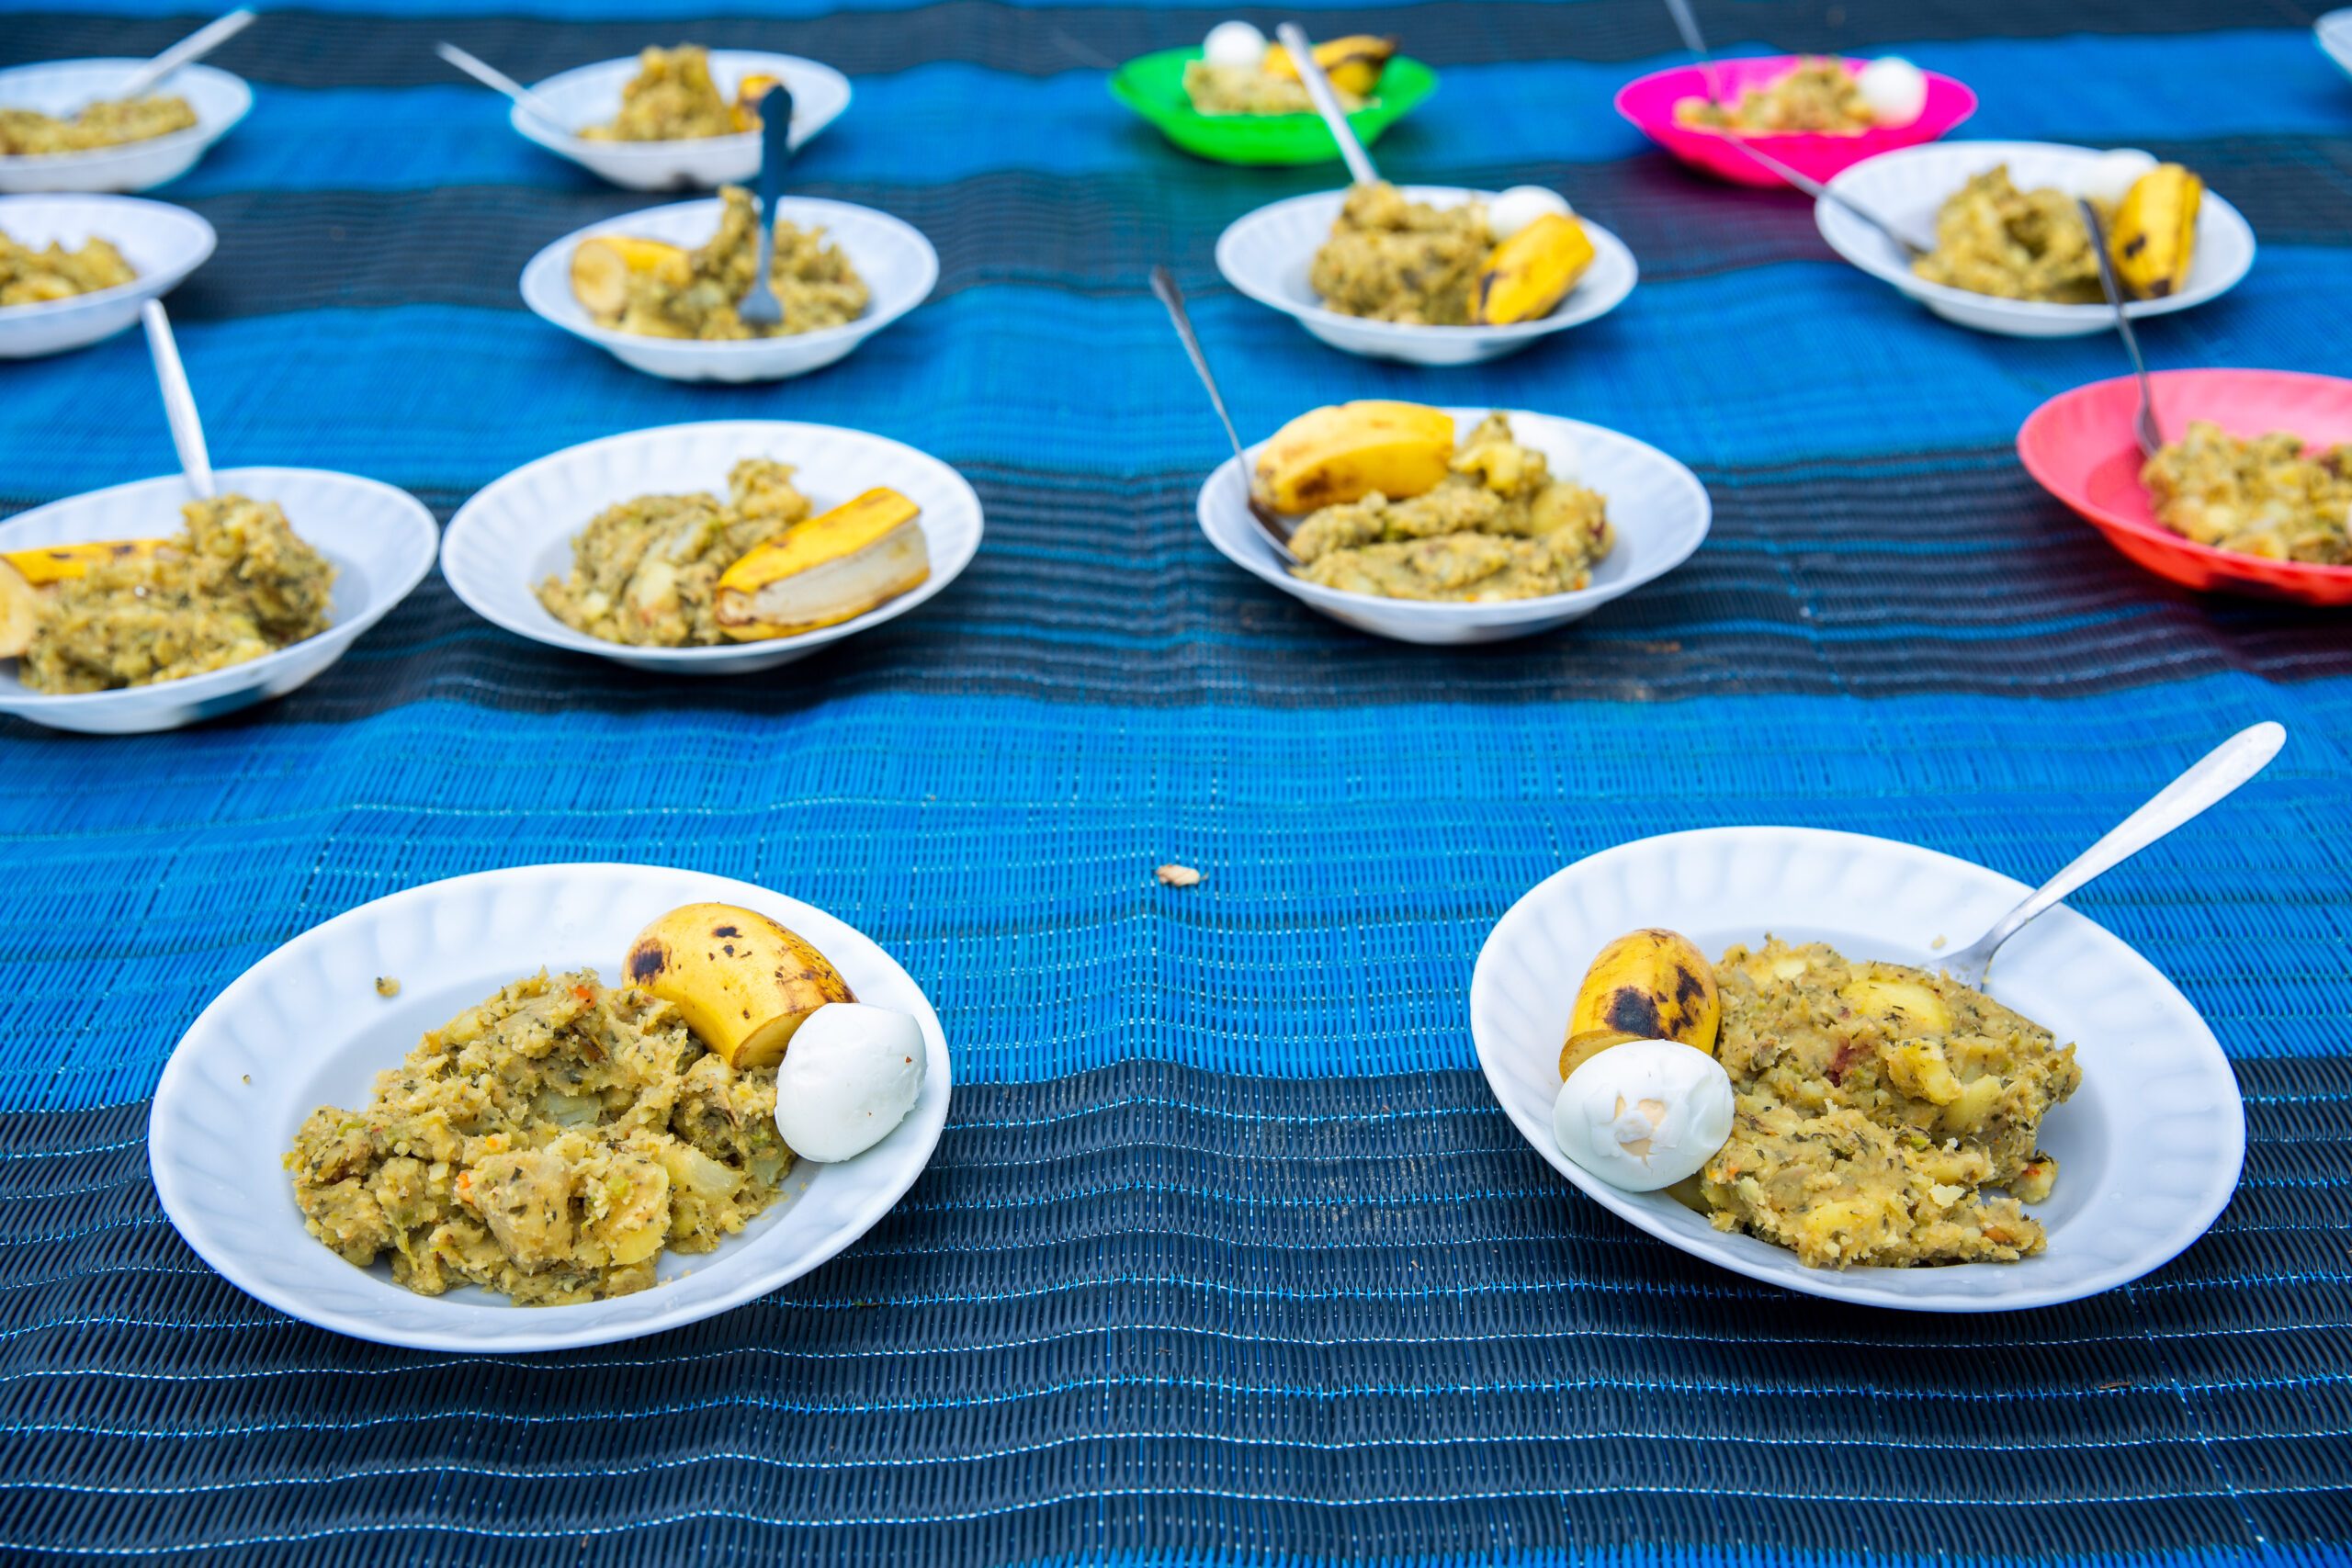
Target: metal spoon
x=761, y=308
x=497, y=81
x=2144, y=428
x=1695, y=41
x=179, y=403
x=1820, y=192
x=188, y=50
x=2211, y=778
x=1293, y=39
x=1163, y=283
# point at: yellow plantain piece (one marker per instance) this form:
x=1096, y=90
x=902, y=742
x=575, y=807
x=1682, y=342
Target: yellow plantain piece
x=1531, y=271
x=747, y=99
x=1647, y=985
x=602, y=264
x=2153, y=237
x=1344, y=452
x=1353, y=63
x=19, y=613
x=743, y=983
x=839, y=564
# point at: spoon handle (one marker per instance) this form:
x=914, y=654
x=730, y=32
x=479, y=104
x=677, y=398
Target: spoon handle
x=1326, y=103
x=1687, y=23
x=2144, y=428
x=179, y=403
x=1163, y=283
x=195, y=46
x=498, y=81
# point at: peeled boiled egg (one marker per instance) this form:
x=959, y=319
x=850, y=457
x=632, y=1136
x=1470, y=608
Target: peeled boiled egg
x=1895, y=90
x=1641, y=1115
x=850, y=1075
x=2112, y=174
x=1517, y=208
x=1234, y=43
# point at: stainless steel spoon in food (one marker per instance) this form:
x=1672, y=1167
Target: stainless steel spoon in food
x=761, y=308
x=1695, y=41
x=188, y=52
x=2211, y=778
x=498, y=82
x=1163, y=283
x=1911, y=244
x=1293, y=39
x=2144, y=428
x=179, y=403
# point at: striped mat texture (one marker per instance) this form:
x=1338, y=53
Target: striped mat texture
x=1228, y=1256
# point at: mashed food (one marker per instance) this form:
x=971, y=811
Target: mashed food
x=2267, y=497
x=1819, y=95
x=1497, y=526
x=237, y=584
x=671, y=98
x=694, y=294
x=646, y=572
x=1991, y=238
x=1394, y=260
x=1885, y=1115
x=97, y=125
x=1250, y=89
x=547, y=1145
x=29, y=277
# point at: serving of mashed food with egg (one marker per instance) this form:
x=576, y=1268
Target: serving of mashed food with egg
x=1471, y=262
x=1240, y=72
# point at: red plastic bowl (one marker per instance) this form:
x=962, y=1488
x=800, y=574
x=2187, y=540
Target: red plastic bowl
x=1648, y=101
x=2079, y=447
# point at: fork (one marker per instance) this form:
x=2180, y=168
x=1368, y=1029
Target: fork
x=761, y=308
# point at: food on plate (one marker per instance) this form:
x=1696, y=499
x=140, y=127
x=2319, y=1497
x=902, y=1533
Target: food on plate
x=631, y=283
x=673, y=98
x=388, y=986
x=1393, y=259
x=1240, y=74
x=236, y=583
x=1401, y=513
x=1647, y=985
x=744, y=983
x=1818, y=95
x=1645, y=1114
x=1514, y=209
x=108, y=123
x=29, y=276
x=852, y=1076
x=834, y=568
x=2269, y=496
x=1991, y=238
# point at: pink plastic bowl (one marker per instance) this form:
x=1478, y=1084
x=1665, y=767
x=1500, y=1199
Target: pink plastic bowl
x=1648, y=101
x=2079, y=447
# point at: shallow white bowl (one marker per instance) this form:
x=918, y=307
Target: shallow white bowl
x=517, y=532
x=590, y=94
x=163, y=242
x=304, y=1027
x=1658, y=508
x=897, y=262
x=2148, y=1149
x=2334, y=32
x=60, y=86
x=1266, y=254
x=1909, y=187
x=380, y=540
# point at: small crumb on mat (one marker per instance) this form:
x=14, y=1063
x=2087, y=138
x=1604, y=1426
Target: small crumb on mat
x=1174, y=875
x=387, y=987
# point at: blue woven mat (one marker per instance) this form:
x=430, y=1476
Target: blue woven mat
x=1228, y=1256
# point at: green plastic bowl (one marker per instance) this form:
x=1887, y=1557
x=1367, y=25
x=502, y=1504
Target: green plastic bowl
x=1153, y=85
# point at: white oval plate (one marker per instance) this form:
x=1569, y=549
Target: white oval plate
x=590, y=94
x=897, y=262
x=304, y=1027
x=163, y=244
x=60, y=86
x=1658, y=508
x=1267, y=254
x=517, y=531
x=1909, y=185
x=2334, y=33
x=380, y=540
x=2148, y=1149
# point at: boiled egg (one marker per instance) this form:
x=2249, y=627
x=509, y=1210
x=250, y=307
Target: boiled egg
x=1641, y=1115
x=2113, y=173
x=850, y=1075
x=1895, y=90
x=1517, y=208
x=1234, y=43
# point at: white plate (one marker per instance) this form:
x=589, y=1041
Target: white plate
x=380, y=540
x=1909, y=187
x=2334, y=32
x=60, y=86
x=590, y=94
x=2148, y=1149
x=517, y=531
x=163, y=243
x=897, y=262
x=1657, y=507
x=1267, y=254
x=304, y=1027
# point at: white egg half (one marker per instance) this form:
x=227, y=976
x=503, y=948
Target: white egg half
x=1234, y=43
x=1644, y=1115
x=850, y=1075
x=1517, y=208
x=2113, y=173
x=1895, y=90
